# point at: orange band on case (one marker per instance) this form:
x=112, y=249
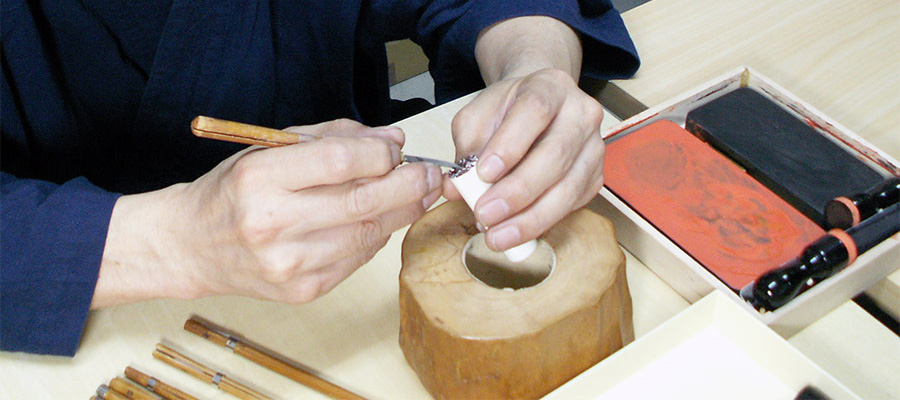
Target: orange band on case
x=848, y=242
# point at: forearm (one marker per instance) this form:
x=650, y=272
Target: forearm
x=519, y=46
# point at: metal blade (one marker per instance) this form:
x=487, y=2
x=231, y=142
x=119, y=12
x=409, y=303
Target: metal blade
x=440, y=163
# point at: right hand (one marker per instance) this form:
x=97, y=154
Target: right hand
x=284, y=224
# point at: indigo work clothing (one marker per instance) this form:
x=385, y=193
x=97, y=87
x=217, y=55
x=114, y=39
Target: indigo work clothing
x=97, y=97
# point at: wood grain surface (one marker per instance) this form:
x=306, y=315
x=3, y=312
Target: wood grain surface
x=469, y=340
x=840, y=57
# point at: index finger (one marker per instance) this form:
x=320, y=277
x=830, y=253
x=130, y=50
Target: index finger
x=349, y=128
x=528, y=117
x=327, y=161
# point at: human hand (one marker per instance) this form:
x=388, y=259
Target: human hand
x=284, y=224
x=538, y=139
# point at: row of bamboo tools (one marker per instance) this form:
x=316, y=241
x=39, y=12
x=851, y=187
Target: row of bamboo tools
x=140, y=386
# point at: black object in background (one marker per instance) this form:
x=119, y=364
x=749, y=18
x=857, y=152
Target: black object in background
x=781, y=151
x=811, y=393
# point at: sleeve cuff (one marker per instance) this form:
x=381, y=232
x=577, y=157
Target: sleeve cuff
x=52, y=246
x=609, y=52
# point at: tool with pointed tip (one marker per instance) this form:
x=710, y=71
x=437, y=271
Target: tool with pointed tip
x=440, y=163
x=238, y=132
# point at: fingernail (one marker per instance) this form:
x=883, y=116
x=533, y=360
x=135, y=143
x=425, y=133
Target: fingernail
x=505, y=237
x=493, y=212
x=480, y=227
x=395, y=153
x=490, y=168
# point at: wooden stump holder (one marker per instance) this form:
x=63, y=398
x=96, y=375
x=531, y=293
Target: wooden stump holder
x=468, y=340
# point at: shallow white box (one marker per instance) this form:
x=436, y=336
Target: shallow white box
x=692, y=280
x=712, y=350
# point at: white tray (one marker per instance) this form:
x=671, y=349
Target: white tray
x=712, y=350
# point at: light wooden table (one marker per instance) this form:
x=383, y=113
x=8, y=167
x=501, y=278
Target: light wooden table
x=841, y=57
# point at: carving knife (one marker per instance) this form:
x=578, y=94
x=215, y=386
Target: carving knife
x=238, y=132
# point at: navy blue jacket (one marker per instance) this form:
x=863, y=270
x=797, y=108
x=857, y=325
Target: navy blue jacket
x=97, y=96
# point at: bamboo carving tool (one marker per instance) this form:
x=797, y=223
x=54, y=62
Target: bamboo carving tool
x=162, y=389
x=271, y=362
x=106, y=393
x=206, y=374
x=131, y=390
x=237, y=132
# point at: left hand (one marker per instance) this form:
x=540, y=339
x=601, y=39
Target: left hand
x=537, y=138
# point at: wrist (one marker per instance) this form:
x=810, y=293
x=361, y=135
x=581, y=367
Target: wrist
x=518, y=47
x=522, y=69
x=142, y=258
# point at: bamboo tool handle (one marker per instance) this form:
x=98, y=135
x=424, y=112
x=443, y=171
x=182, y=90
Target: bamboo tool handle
x=206, y=374
x=107, y=393
x=161, y=388
x=237, y=132
x=131, y=390
x=266, y=360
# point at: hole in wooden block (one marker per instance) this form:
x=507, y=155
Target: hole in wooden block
x=495, y=270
